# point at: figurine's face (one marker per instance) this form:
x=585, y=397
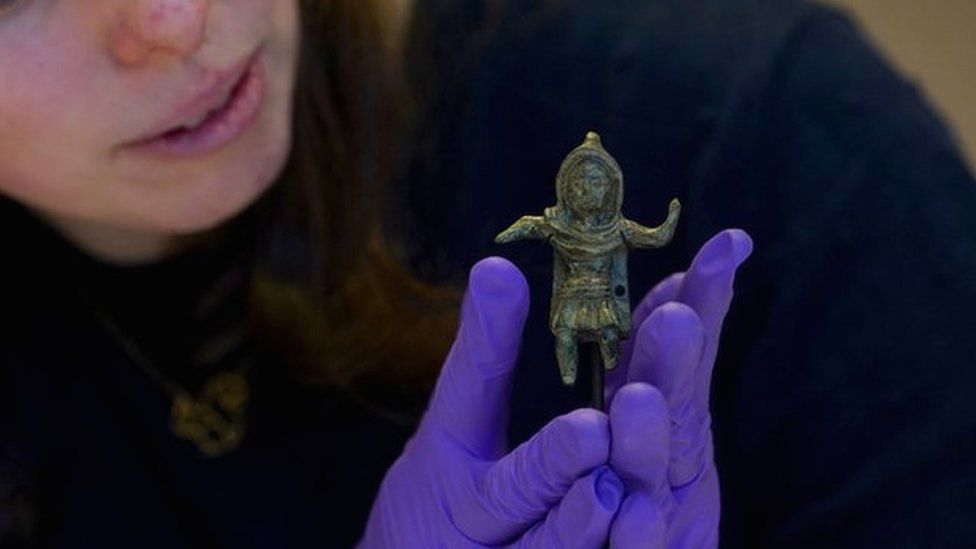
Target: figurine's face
x=590, y=189
x=82, y=81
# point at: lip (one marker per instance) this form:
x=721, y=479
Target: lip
x=215, y=89
x=220, y=128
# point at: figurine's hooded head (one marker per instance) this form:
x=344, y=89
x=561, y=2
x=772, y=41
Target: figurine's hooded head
x=589, y=186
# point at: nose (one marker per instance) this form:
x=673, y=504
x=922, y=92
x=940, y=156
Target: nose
x=147, y=27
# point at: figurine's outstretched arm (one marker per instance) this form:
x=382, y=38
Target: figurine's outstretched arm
x=528, y=226
x=638, y=236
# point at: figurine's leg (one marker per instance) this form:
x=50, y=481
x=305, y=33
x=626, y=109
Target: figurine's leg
x=609, y=347
x=566, y=355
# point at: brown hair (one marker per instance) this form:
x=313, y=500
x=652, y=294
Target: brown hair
x=328, y=295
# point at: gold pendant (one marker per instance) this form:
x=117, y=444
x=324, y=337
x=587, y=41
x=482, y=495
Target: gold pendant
x=215, y=420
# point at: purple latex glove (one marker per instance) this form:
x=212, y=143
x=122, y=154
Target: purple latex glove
x=455, y=486
x=664, y=379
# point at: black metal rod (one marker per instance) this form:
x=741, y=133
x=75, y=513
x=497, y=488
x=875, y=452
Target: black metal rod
x=596, y=371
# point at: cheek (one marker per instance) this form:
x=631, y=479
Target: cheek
x=43, y=69
x=42, y=137
x=50, y=109
x=45, y=96
x=27, y=130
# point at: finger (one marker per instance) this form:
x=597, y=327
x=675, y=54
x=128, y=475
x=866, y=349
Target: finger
x=639, y=453
x=640, y=440
x=470, y=401
x=667, y=355
x=664, y=291
x=707, y=288
x=639, y=524
x=582, y=519
x=523, y=487
x=697, y=513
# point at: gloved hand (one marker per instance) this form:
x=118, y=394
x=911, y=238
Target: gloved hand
x=664, y=378
x=455, y=486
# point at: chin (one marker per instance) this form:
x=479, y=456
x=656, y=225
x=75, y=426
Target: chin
x=202, y=216
x=219, y=201
x=205, y=211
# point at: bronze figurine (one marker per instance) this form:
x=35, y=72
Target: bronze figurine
x=590, y=239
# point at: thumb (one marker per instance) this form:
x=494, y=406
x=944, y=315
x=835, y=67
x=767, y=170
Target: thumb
x=470, y=401
x=639, y=453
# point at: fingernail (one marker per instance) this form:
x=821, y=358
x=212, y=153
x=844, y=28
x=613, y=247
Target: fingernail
x=608, y=488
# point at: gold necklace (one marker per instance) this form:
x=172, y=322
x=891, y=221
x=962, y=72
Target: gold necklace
x=215, y=419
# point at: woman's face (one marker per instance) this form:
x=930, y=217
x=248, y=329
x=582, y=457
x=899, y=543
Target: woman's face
x=82, y=81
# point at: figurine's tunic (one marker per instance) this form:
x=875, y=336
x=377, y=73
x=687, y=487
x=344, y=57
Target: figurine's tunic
x=583, y=297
